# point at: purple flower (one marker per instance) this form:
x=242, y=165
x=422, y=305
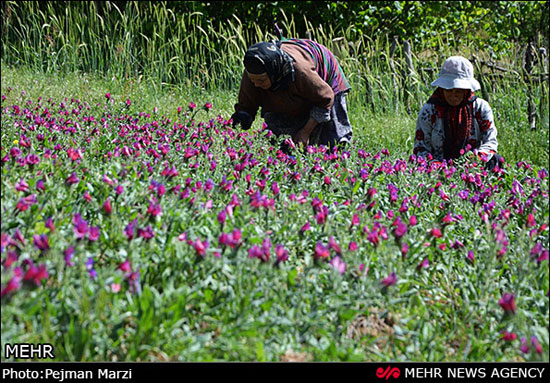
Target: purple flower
x=536, y=345
x=222, y=217
x=72, y=179
x=130, y=230
x=93, y=235
x=321, y=252
x=424, y=264
x=400, y=228
x=146, y=233
x=40, y=185
x=281, y=253
x=22, y=186
x=471, y=256
x=69, y=253
x=200, y=247
x=26, y=202
x=389, y=280
x=80, y=226
x=508, y=303
x=338, y=264
x=41, y=242
x=524, y=348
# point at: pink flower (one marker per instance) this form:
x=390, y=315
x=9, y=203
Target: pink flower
x=508, y=336
x=200, y=247
x=72, y=179
x=22, y=186
x=355, y=221
x=436, y=232
x=80, y=227
x=536, y=344
x=338, y=264
x=321, y=252
x=125, y=267
x=93, y=234
x=389, y=280
x=508, y=303
x=334, y=246
x=107, y=206
x=412, y=220
x=424, y=264
x=41, y=242
x=281, y=253
x=471, y=256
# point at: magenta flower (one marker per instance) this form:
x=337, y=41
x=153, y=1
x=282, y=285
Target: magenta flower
x=508, y=336
x=508, y=303
x=72, y=179
x=355, y=221
x=22, y=186
x=36, y=274
x=222, y=215
x=40, y=185
x=524, y=348
x=80, y=226
x=69, y=253
x=352, y=246
x=436, y=232
x=305, y=227
x=146, y=233
x=41, y=242
x=107, y=207
x=404, y=249
x=536, y=345
x=338, y=264
x=125, y=266
x=281, y=253
x=412, y=220
x=200, y=247
x=424, y=264
x=471, y=256
x=49, y=224
x=334, y=246
x=26, y=202
x=13, y=285
x=130, y=230
x=93, y=234
x=400, y=228
x=10, y=259
x=389, y=280
x=321, y=252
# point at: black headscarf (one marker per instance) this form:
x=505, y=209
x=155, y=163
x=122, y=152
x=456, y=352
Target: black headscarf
x=269, y=58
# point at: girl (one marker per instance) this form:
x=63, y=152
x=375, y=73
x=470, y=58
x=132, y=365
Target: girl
x=454, y=119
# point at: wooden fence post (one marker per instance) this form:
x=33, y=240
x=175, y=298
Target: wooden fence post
x=528, y=61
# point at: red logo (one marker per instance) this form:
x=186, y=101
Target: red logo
x=388, y=372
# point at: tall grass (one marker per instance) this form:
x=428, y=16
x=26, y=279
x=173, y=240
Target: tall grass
x=148, y=42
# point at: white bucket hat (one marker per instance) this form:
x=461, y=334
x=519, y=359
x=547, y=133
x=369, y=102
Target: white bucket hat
x=457, y=72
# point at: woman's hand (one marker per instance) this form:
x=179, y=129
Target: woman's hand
x=301, y=137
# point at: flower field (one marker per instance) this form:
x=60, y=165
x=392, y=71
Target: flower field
x=167, y=234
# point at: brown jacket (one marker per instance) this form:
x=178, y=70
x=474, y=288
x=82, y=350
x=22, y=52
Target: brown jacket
x=296, y=100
